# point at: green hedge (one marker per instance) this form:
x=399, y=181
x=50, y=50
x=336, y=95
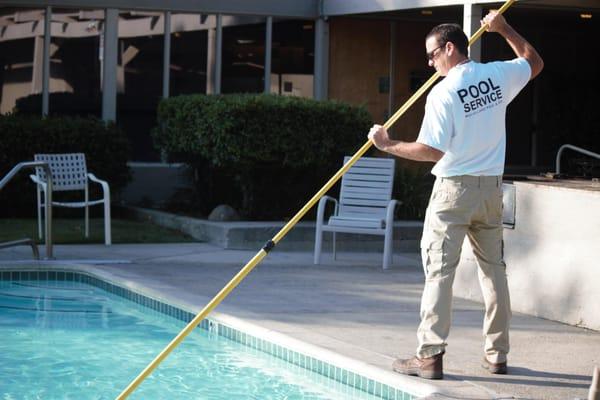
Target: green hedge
x=22, y=136
x=263, y=154
x=412, y=186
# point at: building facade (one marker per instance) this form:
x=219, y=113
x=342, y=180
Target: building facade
x=112, y=58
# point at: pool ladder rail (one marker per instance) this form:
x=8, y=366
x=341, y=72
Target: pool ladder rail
x=558, y=173
x=48, y=209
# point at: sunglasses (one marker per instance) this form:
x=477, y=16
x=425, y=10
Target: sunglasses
x=431, y=55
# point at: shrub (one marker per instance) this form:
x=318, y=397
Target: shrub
x=22, y=136
x=412, y=186
x=263, y=154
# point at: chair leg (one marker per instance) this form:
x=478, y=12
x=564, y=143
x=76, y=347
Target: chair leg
x=87, y=214
x=387, y=249
x=87, y=222
x=39, y=213
x=334, y=249
x=318, y=243
x=107, y=232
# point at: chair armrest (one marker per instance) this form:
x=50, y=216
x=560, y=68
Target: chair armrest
x=389, y=213
x=104, y=184
x=36, y=179
x=321, y=208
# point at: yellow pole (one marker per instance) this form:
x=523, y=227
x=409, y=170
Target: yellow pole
x=264, y=251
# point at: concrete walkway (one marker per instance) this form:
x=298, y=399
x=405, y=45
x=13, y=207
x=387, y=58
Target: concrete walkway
x=351, y=307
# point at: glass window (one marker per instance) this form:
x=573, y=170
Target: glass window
x=188, y=53
x=139, y=79
x=292, y=58
x=75, y=66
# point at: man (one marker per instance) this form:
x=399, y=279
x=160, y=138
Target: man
x=463, y=132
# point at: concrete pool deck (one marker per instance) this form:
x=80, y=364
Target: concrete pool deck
x=350, y=307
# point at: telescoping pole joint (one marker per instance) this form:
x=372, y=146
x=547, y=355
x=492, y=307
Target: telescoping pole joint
x=269, y=246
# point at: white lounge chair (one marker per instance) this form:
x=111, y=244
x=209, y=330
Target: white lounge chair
x=365, y=206
x=69, y=172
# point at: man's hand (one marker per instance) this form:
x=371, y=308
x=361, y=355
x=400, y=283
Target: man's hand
x=495, y=22
x=380, y=138
x=411, y=151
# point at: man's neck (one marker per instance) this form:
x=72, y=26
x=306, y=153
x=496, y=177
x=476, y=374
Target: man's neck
x=461, y=61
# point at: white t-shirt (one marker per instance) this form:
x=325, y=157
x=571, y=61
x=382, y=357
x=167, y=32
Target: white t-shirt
x=465, y=116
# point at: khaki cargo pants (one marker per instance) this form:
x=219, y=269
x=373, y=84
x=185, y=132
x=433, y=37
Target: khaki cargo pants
x=459, y=206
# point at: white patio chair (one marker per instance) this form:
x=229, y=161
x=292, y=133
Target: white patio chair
x=365, y=206
x=69, y=172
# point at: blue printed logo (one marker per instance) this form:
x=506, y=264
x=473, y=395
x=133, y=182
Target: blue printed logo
x=480, y=97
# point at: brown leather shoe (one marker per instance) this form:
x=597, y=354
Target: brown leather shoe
x=495, y=368
x=428, y=368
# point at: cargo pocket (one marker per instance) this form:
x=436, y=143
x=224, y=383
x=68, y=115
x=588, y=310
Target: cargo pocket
x=433, y=257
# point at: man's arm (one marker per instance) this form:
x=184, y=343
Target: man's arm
x=409, y=150
x=521, y=47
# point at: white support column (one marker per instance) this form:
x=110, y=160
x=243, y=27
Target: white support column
x=46, y=64
x=321, y=59
x=109, y=72
x=268, y=51
x=218, y=53
x=166, y=55
x=211, y=46
x=125, y=57
x=37, y=65
x=391, y=105
x=471, y=23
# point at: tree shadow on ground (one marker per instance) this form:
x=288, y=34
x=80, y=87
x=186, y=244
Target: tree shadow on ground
x=523, y=376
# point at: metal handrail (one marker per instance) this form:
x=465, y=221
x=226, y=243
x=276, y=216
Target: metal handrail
x=48, y=200
x=575, y=148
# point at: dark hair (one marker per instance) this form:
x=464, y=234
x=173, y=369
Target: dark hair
x=445, y=33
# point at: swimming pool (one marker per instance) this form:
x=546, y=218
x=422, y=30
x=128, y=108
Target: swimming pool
x=71, y=335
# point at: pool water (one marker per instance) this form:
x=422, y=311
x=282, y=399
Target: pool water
x=71, y=340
